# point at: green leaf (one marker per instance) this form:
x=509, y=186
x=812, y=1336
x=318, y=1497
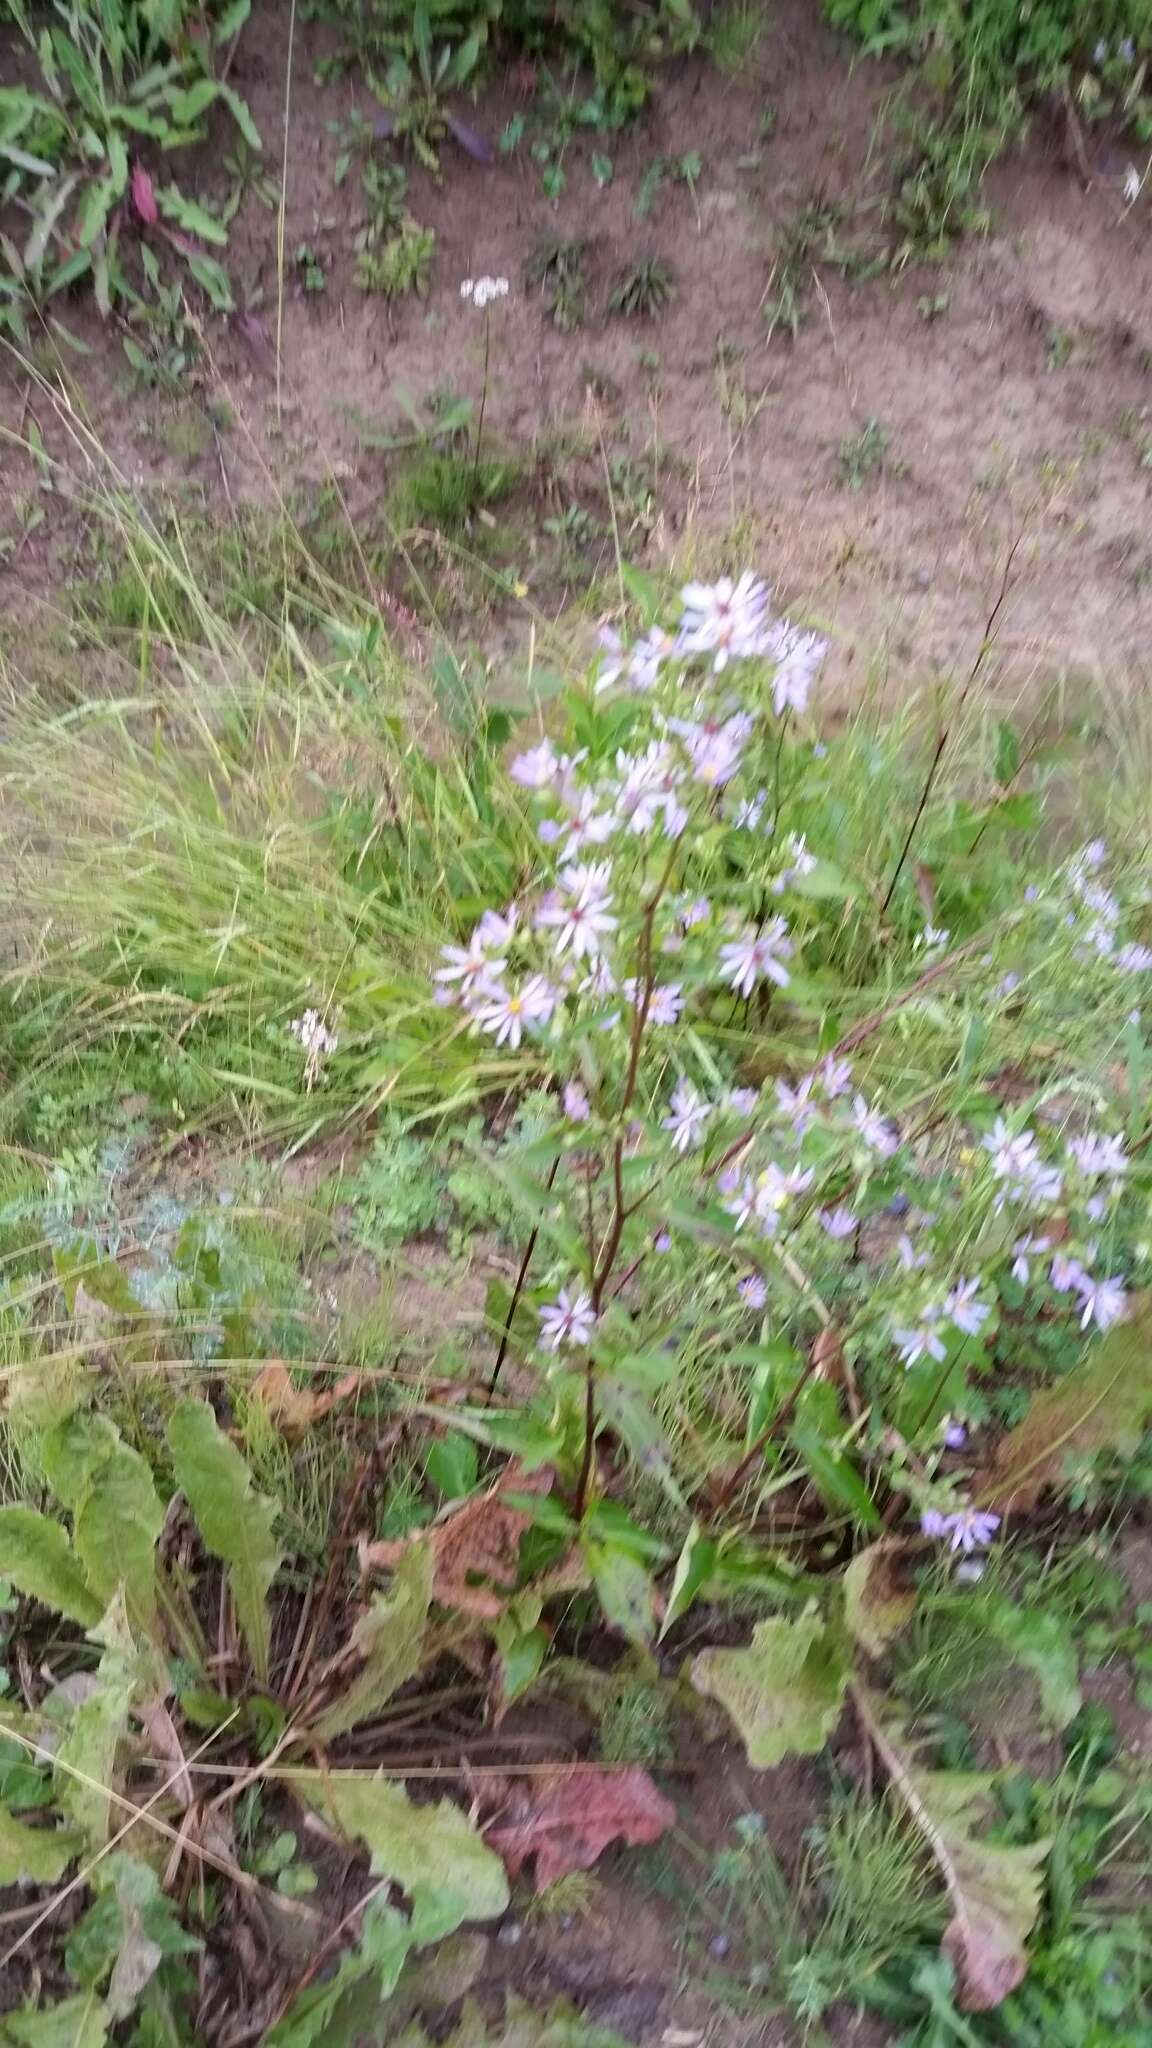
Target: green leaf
x=995, y=1890
x=85, y=1769
x=834, y=1475
x=212, y=279
x=1042, y=1641
x=694, y=1568
x=117, y=1526
x=327, y=2014
x=241, y=114
x=878, y=1600
x=36, y=1555
x=35, y=1855
x=125, y=1934
x=784, y=1692
x=235, y=1522
x=80, y=2022
x=389, y=1640
x=522, y=2027
x=432, y=1852
x=624, y=1588
x=1007, y=756
x=189, y=215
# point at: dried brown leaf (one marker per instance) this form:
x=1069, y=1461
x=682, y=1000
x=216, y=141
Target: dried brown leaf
x=566, y=1818
x=292, y=1408
x=1106, y=1402
x=475, y=1546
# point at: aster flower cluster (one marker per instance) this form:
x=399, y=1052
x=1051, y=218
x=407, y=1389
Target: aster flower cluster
x=1093, y=912
x=612, y=834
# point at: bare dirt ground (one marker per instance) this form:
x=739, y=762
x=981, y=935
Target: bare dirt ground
x=1014, y=385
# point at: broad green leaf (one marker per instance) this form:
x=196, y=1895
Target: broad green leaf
x=80, y=2022
x=35, y=1855
x=878, y=1600
x=74, y=1452
x=389, y=1640
x=85, y=1770
x=327, y=2014
x=1104, y=1404
x=189, y=215
x=996, y=1891
x=784, y=1692
x=116, y=1529
x=124, y=1936
x=235, y=1522
x=1042, y=1641
x=834, y=1475
x=624, y=1589
x=432, y=1852
x=36, y=1555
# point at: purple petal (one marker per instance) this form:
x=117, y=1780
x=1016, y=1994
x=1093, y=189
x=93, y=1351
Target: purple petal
x=474, y=145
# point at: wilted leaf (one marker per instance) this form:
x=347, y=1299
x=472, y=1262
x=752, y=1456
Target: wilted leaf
x=566, y=1817
x=34, y=1855
x=995, y=1890
x=293, y=1408
x=329, y=2013
x=1104, y=1404
x=432, y=1852
x=80, y=2022
x=785, y=1691
x=475, y=1546
x=388, y=1641
x=235, y=1522
x=878, y=1600
x=38, y=1559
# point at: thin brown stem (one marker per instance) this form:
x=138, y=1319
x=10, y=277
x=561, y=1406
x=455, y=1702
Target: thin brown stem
x=985, y=648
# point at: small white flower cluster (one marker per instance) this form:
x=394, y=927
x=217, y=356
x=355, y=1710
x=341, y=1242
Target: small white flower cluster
x=1095, y=914
x=318, y=1042
x=482, y=291
x=570, y=954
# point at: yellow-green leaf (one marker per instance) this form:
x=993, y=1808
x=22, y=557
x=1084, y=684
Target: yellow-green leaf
x=37, y=1557
x=432, y=1852
x=35, y=1855
x=784, y=1692
x=389, y=1641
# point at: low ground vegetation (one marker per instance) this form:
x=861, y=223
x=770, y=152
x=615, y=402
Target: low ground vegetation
x=768, y=1103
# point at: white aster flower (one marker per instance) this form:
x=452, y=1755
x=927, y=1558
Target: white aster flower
x=839, y=1222
x=1102, y=1302
x=538, y=768
x=878, y=1134
x=1096, y=1153
x=317, y=1041
x=756, y=956
x=797, y=655
x=923, y=1340
x=1024, y=1251
x=505, y=1012
x=688, y=1114
x=570, y=1319
x=580, y=913
x=753, y=1290
x=964, y=1310
x=724, y=619
x=835, y=1077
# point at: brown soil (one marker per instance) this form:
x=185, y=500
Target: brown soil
x=1021, y=409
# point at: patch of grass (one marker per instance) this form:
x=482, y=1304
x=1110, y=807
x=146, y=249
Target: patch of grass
x=735, y=33
x=642, y=292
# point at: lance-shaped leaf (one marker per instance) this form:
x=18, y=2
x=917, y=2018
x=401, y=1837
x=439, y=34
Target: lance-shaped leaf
x=235, y=1521
x=1105, y=1404
x=432, y=1852
x=37, y=1558
x=996, y=1890
x=388, y=1641
x=86, y=1775
x=785, y=1691
x=80, y=2022
x=118, y=1522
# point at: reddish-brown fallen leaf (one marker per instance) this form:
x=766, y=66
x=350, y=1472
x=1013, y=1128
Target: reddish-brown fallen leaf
x=476, y=1545
x=293, y=1408
x=567, y=1817
x=144, y=196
